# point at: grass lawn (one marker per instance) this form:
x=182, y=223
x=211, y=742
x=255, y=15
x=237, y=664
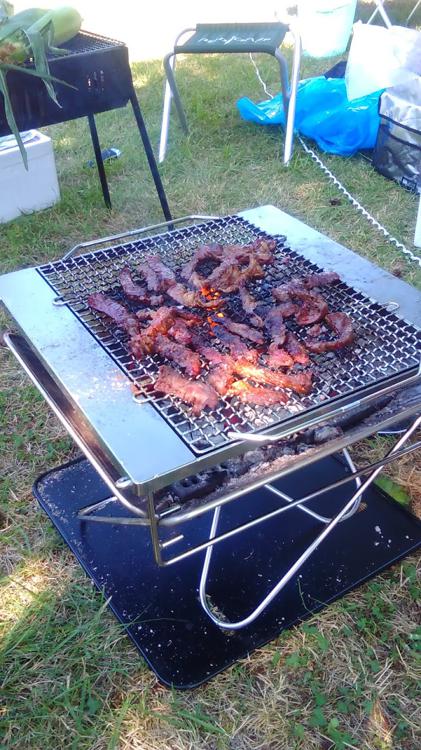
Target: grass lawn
x=69, y=676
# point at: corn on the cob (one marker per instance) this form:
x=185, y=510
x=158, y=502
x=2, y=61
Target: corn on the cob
x=30, y=35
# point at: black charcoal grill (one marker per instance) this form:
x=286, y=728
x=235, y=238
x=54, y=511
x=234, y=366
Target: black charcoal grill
x=246, y=466
x=98, y=71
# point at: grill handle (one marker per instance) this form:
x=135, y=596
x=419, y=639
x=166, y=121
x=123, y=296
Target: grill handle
x=138, y=231
x=336, y=412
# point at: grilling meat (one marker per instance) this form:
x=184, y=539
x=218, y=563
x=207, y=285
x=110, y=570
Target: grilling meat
x=204, y=252
x=160, y=322
x=157, y=275
x=278, y=357
x=184, y=357
x=240, y=329
x=180, y=332
x=229, y=275
x=299, y=383
x=136, y=292
x=200, y=395
x=220, y=377
x=249, y=303
x=183, y=330
x=275, y=326
x=133, y=291
x=193, y=298
x=236, y=346
x=249, y=394
x=313, y=307
x=296, y=349
x=325, y=278
x=114, y=310
x=341, y=324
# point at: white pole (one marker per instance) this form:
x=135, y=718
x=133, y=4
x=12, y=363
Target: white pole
x=417, y=238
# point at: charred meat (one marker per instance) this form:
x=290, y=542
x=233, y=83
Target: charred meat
x=300, y=382
x=341, y=324
x=114, y=310
x=184, y=357
x=200, y=395
x=249, y=394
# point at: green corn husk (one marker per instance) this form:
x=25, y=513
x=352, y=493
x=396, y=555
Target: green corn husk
x=30, y=36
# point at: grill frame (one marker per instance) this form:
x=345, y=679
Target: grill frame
x=176, y=416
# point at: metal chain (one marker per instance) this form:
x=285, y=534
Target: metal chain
x=399, y=245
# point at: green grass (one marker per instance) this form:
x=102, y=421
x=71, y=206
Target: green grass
x=69, y=676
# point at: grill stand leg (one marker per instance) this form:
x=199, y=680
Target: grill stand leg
x=346, y=510
x=99, y=161
x=150, y=157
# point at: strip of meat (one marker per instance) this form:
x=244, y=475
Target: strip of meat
x=229, y=276
x=296, y=349
x=324, y=278
x=341, y=324
x=315, y=331
x=248, y=302
x=220, y=377
x=249, y=394
x=180, y=332
x=184, y=357
x=313, y=308
x=133, y=291
x=299, y=383
x=161, y=321
x=278, y=357
x=193, y=298
x=200, y=395
x=121, y=316
x=157, y=275
x=204, y=252
x=221, y=365
x=275, y=326
x=240, y=329
x=236, y=346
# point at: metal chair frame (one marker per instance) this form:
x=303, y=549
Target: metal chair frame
x=289, y=92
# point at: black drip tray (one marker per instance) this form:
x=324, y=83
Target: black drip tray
x=160, y=608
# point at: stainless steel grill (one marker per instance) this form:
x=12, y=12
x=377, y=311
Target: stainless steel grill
x=155, y=452
x=386, y=346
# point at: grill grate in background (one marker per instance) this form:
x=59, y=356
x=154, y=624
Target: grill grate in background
x=385, y=345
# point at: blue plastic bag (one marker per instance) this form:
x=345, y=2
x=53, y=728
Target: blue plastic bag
x=323, y=113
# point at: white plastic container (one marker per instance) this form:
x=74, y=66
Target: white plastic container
x=325, y=26
x=21, y=191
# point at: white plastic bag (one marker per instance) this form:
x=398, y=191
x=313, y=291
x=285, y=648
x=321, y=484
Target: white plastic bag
x=380, y=58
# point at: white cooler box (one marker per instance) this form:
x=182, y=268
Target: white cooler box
x=21, y=191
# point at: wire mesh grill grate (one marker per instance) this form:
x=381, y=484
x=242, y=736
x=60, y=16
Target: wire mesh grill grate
x=385, y=345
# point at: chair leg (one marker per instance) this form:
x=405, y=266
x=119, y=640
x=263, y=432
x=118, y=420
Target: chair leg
x=150, y=157
x=169, y=67
x=165, y=124
x=99, y=161
x=295, y=75
x=283, y=70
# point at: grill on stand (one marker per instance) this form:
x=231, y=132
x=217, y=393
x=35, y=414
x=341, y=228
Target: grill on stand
x=205, y=492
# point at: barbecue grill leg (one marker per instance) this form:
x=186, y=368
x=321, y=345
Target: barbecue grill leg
x=317, y=516
x=224, y=624
x=150, y=157
x=99, y=161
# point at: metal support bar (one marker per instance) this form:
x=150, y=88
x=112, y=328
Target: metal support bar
x=99, y=161
x=135, y=232
x=150, y=157
x=224, y=624
x=317, y=516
